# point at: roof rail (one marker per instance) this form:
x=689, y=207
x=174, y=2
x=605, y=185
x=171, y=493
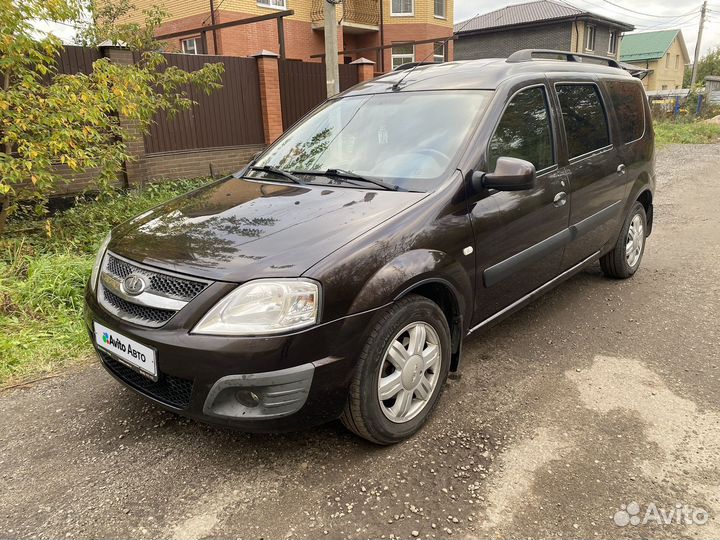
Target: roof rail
x=527, y=55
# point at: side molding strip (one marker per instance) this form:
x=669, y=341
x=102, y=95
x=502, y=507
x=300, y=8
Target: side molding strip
x=499, y=271
x=537, y=292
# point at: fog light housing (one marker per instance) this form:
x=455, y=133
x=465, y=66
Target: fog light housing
x=247, y=398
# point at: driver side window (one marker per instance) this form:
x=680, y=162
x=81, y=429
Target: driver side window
x=524, y=131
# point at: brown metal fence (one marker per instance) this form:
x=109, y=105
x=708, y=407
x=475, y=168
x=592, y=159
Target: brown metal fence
x=73, y=59
x=302, y=87
x=230, y=116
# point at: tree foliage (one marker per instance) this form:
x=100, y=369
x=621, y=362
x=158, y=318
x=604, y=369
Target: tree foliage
x=708, y=65
x=49, y=119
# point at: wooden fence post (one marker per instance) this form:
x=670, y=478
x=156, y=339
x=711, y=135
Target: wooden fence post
x=270, y=100
x=366, y=69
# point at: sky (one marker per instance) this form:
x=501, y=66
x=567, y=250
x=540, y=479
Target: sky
x=644, y=14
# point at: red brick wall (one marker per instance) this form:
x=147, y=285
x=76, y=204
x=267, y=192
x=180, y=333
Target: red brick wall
x=301, y=41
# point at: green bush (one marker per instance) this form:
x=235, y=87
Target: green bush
x=697, y=132
x=44, y=266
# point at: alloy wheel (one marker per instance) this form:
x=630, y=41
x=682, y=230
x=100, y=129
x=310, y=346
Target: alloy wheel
x=409, y=372
x=634, y=241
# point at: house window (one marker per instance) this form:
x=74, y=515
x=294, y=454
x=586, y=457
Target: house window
x=277, y=4
x=612, y=45
x=440, y=9
x=677, y=61
x=667, y=60
x=402, y=54
x=439, y=52
x=191, y=46
x=589, y=38
x=403, y=7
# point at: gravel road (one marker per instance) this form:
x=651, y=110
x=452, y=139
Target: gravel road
x=601, y=394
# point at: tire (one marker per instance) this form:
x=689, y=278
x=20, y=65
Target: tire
x=620, y=263
x=399, y=416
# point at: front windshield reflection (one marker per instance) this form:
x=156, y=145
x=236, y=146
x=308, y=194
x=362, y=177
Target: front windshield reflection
x=407, y=138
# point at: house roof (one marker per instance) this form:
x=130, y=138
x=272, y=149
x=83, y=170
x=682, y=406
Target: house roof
x=644, y=46
x=540, y=11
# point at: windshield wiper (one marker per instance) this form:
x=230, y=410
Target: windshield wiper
x=279, y=172
x=340, y=173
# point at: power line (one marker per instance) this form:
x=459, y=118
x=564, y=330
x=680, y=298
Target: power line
x=641, y=13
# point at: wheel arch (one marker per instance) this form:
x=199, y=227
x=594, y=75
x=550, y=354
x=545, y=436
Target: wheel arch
x=446, y=297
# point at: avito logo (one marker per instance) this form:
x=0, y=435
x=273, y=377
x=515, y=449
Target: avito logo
x=118, y=344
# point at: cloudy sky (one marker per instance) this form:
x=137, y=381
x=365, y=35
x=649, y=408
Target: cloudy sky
x=644, y=14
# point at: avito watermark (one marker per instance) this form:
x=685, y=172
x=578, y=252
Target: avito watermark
x=680, y=514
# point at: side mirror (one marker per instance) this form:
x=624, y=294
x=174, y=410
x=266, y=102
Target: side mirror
x=511, y=174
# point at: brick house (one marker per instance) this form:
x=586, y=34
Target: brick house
x=363, y=24
x=543, y=24
x=664, y=53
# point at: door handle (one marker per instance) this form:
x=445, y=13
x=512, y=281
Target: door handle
x=621, y=169
x=560, y=199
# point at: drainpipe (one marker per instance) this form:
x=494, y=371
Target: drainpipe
x=382, y=37
x=213, y=22
x=577, y=34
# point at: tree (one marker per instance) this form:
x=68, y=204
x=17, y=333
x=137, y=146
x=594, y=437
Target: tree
x=48, y=118
x=708, y=65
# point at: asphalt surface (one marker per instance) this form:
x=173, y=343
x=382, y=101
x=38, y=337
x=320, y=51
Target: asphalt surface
x=602, y=393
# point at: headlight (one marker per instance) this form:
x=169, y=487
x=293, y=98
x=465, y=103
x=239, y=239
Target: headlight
x=263, y=307
x=98, y=262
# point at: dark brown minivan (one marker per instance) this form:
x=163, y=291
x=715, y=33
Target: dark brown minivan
x=337, y=274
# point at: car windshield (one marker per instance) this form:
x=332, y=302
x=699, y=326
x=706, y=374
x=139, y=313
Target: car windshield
x=407, y=139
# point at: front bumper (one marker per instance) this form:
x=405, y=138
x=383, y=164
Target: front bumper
x=270, y=383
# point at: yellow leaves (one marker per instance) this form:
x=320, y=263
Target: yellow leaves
x=4, y=105
x=48, y=228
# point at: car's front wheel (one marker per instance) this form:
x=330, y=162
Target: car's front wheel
x=401, y=371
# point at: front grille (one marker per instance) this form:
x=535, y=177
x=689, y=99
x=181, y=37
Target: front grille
x=165, y=294
x=170, y=390
x=136, y=312
x=172, y=286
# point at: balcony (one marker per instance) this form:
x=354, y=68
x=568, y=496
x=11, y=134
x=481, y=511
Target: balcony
x=355, y=16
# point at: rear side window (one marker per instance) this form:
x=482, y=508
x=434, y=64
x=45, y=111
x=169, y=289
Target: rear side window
x=584, y=118
x=629, y=103
x=524, y=131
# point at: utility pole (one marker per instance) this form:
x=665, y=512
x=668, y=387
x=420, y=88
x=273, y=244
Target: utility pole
x=693, y=80
x=332, y=71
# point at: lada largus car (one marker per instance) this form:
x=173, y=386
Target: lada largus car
x=337, y=275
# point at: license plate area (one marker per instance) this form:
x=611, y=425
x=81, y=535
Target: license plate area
x=133, y=354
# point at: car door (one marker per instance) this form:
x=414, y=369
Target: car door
x=519, y=235
x=595, y=173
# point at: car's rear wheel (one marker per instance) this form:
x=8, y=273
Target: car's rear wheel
x=401, y=371
x=624, y=260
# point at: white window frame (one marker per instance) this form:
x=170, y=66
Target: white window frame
x=667, y=61
x=677, y=62
x=612, y=43
x=196, y=45
x=436, y=55
x=273, y=4
x=590, y=37
x=444, y=13
x=400, y=56
x=394, y=13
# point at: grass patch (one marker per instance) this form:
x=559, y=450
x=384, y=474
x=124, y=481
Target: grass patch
x=698, y=132
x=44, y=266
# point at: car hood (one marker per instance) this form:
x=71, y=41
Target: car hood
x=236, y=230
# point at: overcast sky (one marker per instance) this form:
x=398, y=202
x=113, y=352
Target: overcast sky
x=660, y=14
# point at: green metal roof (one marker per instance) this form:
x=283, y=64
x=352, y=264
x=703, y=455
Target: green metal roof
x=646, y=45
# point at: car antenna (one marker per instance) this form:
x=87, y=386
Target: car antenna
x=396, y=86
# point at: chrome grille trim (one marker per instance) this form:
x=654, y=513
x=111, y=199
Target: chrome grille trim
x=166, y=294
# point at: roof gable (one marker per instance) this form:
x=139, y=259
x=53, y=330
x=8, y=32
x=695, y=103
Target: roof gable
x=644, y=46
x=539, y=11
